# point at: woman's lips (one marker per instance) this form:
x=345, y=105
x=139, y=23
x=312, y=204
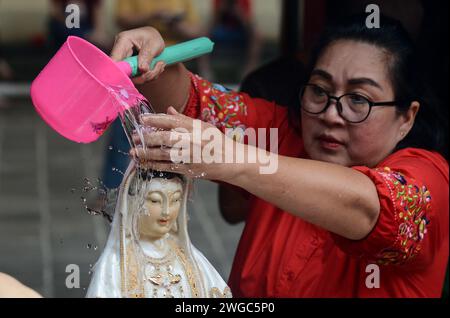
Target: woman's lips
x=329, y=142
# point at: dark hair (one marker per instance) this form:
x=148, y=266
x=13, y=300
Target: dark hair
x=407, y=77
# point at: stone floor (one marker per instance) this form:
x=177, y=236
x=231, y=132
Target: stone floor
x=43, y=226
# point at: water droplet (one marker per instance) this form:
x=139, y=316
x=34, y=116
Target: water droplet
x=73, y=190
x=89, y=246
x=117, y=170
x=95, y=247
x=123, y=153
x=110, y=148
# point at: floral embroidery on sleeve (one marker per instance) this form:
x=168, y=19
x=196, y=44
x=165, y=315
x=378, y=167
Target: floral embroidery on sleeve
x=412, y=204
x=219, y=105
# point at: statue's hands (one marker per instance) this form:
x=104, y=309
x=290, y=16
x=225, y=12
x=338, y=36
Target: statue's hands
x=174, y=143
x=149, y=43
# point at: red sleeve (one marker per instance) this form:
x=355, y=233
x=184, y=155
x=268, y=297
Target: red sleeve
x=232, y=112
x=412, y=186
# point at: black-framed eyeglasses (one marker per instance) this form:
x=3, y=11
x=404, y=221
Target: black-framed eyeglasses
x=354, y=108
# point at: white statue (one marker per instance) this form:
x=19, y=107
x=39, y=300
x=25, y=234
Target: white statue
x=149, y=253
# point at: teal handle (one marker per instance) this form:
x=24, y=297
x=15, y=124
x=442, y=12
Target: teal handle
x=178, y=53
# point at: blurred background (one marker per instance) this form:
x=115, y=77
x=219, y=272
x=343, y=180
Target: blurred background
x=262, y=47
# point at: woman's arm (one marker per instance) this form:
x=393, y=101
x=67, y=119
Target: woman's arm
x=336, y=198
x=170, y=89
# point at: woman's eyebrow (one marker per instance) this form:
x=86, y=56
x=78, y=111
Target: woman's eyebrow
x=323, y=74
x=353, y=81
x=364, y=81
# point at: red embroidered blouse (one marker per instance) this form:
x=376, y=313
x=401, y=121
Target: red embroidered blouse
x=280, y=255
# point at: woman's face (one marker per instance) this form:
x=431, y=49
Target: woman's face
x=353, y=67
x=162, y=204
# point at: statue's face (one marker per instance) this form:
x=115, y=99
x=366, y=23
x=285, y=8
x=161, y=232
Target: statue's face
x=162, y=204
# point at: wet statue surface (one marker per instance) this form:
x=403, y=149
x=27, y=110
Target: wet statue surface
x=149, y=253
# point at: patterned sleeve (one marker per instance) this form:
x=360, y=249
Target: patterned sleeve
x=230, y=111
x=407, y=212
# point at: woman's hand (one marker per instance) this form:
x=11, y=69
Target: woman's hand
x=149, y=43
x=173, y=84
x=174, y=143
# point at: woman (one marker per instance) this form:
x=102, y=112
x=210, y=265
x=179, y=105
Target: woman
x=354, y=185
x=149, y=253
